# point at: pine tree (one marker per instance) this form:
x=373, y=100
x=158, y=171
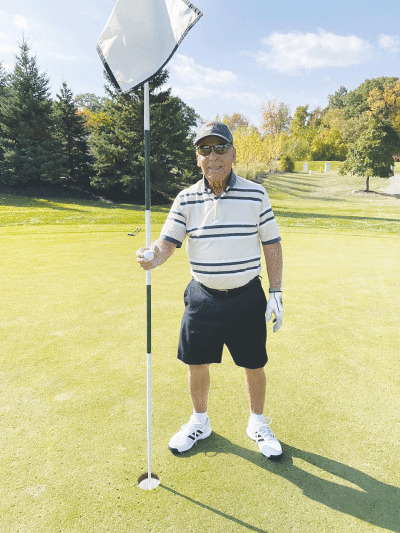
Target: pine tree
x=3, y=93
x=73, y=137
x=29, y=147
x=118, y=142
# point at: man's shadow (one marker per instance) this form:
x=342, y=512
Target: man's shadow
x=374, y=502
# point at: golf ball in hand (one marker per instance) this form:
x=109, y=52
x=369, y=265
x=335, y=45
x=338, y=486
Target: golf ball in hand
x=148, y=255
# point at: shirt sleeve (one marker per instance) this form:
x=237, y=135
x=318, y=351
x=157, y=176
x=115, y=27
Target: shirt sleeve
x=174, y=229
x=267, y=226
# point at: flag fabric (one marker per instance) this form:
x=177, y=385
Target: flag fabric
x=141, y=36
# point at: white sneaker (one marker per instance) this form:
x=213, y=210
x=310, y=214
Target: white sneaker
x=189, y=434
x=268, y=444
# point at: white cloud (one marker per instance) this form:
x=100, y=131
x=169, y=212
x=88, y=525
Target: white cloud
x=21, y=22
x=8, y=48
x=293, y=52
x=390, y=42
x=186, y=69
x=197, y=82
x=195, y=92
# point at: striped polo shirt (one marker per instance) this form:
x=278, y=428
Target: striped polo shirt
x=224, y=232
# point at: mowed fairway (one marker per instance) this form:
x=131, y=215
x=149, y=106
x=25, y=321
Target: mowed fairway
x=73, y=375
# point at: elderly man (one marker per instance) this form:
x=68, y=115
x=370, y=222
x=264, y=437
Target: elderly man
x=225, y=218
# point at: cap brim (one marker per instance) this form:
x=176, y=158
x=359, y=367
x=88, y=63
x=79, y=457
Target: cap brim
x=212, y=135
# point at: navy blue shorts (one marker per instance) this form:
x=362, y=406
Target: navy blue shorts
x=211, y=320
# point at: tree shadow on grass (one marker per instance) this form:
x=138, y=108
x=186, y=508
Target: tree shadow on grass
x=289, y=214
x=389, y=195
x=373, y=501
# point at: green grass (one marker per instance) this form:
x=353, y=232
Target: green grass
x=73, y=375
x=319, y=166
x=331, y=203
x=24, y=212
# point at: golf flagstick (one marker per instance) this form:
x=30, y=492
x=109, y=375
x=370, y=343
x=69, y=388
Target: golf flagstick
x=151, y=482
x=137, y=42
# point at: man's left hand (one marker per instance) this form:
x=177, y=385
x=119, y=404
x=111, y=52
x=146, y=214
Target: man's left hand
x=275, y=306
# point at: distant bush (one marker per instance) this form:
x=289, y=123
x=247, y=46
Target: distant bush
x=286, y=164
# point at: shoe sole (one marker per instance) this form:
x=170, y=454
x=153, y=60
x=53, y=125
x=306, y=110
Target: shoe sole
x=271, y=457
x=175, y=451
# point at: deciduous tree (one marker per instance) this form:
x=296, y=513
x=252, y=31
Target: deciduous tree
x=328, y=143
x=235, y=121
x=275, y=118
x=371, y=154
x=337, y=100
x=89, y=101
x=386, y=104
x=249, y=145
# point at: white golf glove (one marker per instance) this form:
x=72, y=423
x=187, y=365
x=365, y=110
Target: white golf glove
x=275, y=306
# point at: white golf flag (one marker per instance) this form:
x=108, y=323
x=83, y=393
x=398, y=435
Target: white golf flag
x=141, y=36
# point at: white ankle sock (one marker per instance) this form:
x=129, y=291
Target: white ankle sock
x=256, y=419
x=201, y=417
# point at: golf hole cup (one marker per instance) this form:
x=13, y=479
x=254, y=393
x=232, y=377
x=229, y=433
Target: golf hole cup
x=146, y=483
x=148, y=255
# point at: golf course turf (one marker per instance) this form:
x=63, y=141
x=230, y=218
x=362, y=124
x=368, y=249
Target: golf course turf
x=73, y=374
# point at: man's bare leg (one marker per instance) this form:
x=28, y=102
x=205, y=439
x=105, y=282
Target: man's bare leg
x=199, y=385
x=198, y=427
x=255, y=387
x=258, y=428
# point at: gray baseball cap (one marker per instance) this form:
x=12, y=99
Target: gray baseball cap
x=219, y=129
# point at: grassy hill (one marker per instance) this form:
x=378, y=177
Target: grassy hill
x=73, y=374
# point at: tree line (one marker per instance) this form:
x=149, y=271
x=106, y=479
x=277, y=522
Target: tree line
x=91, y=142
x=97, y=142
x=359, y=127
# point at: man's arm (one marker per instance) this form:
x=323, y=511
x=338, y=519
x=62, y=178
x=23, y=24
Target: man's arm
x=273, y=259
x=274, y=262
x=162, y=250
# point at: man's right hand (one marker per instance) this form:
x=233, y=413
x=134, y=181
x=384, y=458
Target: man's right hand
x=161, y=249
x=144, y=263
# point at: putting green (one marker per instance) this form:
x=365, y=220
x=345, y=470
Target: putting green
x=73, y=389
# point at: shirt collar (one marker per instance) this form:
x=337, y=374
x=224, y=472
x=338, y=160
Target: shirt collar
x=231, y=182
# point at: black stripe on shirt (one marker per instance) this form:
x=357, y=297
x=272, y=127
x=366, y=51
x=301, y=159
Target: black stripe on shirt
x=212, y=236
x=223, y=272
x=190, y=202
x=173, y=212
x=191, y=194
x=245, y=198
x=222, y=226
x=171, y=240
x=266, y=220
x=176, y=220
x=248, y=198
x=278, y=239
x=247, y=190
x=266, y=211
x=226, y=263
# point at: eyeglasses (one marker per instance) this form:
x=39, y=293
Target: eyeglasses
x=219, y=149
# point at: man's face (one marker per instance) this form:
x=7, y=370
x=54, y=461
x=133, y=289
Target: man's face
x=215, y=167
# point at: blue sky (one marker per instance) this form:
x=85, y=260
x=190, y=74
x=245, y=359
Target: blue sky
x=240, y=53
